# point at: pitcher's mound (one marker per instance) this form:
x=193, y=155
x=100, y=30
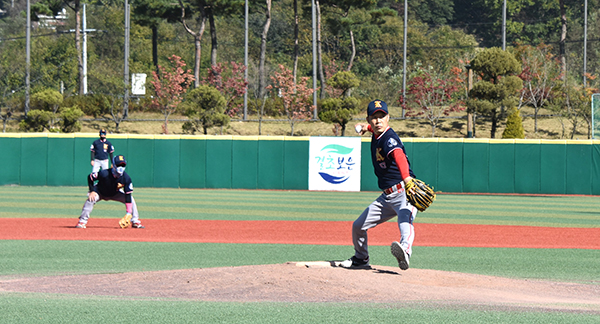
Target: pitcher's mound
x=323, y=282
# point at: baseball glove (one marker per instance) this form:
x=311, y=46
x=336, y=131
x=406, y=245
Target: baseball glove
x=419, y=194
x=125, y=221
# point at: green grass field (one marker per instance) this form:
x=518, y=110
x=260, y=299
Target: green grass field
x=39, y=257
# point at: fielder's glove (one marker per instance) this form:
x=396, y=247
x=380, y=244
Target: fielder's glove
x=419, y=194
x=125, y=221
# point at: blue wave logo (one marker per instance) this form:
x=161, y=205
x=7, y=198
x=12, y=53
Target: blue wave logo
x=335, y=163
x=333, y=179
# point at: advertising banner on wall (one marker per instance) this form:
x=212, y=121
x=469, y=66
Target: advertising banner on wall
x=334, y=163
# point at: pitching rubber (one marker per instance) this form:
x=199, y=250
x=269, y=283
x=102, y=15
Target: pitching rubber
x=317, y=264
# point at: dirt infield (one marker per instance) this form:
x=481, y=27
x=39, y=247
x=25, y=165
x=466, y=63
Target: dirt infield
x=292, y=283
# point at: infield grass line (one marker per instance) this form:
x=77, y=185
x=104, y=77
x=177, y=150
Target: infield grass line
x=222, y=204
x=23, y=257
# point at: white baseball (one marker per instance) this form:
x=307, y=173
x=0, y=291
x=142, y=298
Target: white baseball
x=358, y=128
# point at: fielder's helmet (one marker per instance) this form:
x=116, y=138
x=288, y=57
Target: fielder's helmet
x=119, y=160
x=119, y=164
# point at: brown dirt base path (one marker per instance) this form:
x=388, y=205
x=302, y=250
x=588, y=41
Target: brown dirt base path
x=297, y=282
x=298, y=232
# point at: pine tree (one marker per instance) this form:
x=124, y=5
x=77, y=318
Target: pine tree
x=514, y=125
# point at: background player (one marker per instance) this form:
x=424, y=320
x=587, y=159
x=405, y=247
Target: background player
x=101, y=150
x=105, y=185
x=392, y=169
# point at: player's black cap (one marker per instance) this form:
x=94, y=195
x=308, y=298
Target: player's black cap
x=375, y=106
x=103, y=132
x=119, y=160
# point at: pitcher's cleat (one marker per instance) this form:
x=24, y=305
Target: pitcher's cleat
x=355, y=263
x=401, y=255
x=80, y=225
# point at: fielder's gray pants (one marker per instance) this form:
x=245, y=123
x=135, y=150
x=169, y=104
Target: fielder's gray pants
x=384, y=208
x=88, y=206
x=100, y=165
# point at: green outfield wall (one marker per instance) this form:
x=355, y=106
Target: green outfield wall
x=272, y=162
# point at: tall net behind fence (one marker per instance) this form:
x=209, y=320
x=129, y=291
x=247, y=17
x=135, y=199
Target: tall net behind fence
x=596, y=116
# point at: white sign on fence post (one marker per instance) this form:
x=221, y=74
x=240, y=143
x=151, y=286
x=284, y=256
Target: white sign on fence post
x=138, y=84
x=334, y=163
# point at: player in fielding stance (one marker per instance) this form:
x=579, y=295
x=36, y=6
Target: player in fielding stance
x=393, y=171
x=112, y=184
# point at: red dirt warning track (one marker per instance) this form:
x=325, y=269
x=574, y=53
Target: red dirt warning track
x=298, y=232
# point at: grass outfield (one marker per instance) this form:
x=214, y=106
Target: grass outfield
x=36, y=258
x=28, y=308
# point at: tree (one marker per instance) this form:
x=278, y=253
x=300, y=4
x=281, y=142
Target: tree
x=9, y=105
x=498, y=86
x=37, y=121
x=342, y=21
x=296, y=97
x=205, y=107
x=151, y=13
x=47, y=100
x=262, y=80
x=224, y=9
x=170, y=86
x=319, y=48
x=344, y=81
x=342, y=108
x=338, y=111
x=433, y=96
x=116, y=110
x=579, y=106
x=230, y=82
x=540, y=75
x=70, y=119
x=202, y=11
x=200, y=19
x=296, y=33
x=514, y=125
x=331, y=69
x=433, y=12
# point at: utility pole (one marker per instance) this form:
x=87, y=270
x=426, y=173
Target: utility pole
x=28, y=57
x=84, y=54
x=246, y=60
x=314, y=62
x=126, y=65
x=585, y=25
x=504, y=25
x=404, y=58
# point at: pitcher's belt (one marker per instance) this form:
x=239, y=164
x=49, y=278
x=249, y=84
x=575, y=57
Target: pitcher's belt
x=394, y=188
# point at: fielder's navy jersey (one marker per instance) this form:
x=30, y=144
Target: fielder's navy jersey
x=108, y=185
x=101, y=149
x=386, y=170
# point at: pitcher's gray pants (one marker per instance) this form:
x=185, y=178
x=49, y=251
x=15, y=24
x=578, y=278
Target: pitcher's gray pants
x=384, y=208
